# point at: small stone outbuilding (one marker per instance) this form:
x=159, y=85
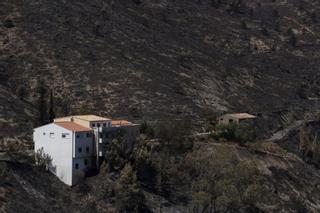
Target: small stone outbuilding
x=236, y=118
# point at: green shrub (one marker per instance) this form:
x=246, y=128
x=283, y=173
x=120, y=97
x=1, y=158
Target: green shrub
x=174, y=136
x=225, y=132
x=117, y=154
x=147, y=130
x=129, y=197
x=144, y=162
x=243, y=132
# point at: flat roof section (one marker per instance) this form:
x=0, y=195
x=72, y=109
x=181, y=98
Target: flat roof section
x=91, y=118
x=83, y=117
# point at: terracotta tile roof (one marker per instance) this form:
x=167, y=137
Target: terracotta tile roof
x=120, y=123
x=73, y=126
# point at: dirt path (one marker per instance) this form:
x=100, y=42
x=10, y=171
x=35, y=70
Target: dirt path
x=282, y=134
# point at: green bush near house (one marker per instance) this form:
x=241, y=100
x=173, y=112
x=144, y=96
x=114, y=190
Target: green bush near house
x=242, y=133
x=128, y=192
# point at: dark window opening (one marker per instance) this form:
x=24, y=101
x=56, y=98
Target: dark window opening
x=80, y=150
x=85, y=162
x=77, y=166
x=93, y=125
x=104, y=125
x=230, y=121
x=65, y=135
x=87, y=149
x=51, y=135
x=98, y=125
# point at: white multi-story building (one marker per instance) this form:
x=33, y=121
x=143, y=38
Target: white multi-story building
x=77, y=144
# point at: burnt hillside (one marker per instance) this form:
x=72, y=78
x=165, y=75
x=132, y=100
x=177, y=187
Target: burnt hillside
x=159, y=59
x=292, y=185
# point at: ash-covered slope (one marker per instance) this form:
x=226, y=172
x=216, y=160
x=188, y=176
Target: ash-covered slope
x=161, y=58
x=292, y=186
x=16, y=119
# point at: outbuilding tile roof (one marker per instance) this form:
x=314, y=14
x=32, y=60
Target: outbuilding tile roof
x=242, y=115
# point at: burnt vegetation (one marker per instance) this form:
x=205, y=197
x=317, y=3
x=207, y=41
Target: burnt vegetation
x=177, y=64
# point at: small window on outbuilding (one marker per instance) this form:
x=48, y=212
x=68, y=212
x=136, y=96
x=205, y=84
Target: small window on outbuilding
x=98, y=125
x=76, y=166
x=80, y=150
x=93, y=125
x=230, y=120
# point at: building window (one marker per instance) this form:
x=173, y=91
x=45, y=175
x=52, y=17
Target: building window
x=80, y=150
x=104, y=124
x=93, y=125
x=51, y=135
x=85, y=162
x=77, y=166
x=87, y=149
x=65, y=135
x=98, y=125
x=44, y=133
x=88, y=135
x=230, y=121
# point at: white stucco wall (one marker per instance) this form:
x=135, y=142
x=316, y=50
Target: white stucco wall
x=60, y=149
x=226, y=119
